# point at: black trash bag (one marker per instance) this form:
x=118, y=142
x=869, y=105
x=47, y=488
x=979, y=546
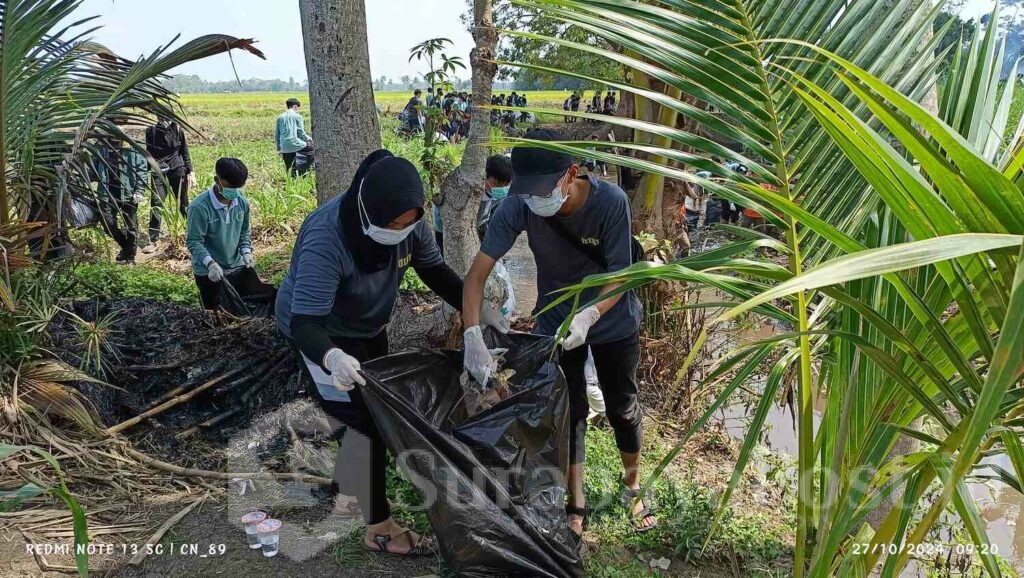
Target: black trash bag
x=493, y=483
x=259, y=302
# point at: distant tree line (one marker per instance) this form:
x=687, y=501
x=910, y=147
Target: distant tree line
x=192, y=84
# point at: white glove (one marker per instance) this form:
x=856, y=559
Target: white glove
x=580, y=326
x=138, y=198
x=491, y=317
x=344, y=369
x=191, y=180
x=247, y=258
x=216, y=272
x=478, y=360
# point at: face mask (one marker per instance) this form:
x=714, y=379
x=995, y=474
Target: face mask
x=498, y=193
x=230, y=194
x=381, y=235
x=546, y=206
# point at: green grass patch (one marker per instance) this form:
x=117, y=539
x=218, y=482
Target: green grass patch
x=120, y=281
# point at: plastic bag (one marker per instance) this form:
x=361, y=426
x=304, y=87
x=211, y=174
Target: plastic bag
x=494, y=483
x=259, y=303
x=499, y=290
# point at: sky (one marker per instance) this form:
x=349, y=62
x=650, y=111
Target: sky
x=134, y=27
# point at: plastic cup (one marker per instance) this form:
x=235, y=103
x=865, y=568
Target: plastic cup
x=270, y=536
x=249, y=522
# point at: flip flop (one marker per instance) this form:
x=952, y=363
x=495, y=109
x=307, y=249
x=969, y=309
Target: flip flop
x=638, y=517
x=423, y=547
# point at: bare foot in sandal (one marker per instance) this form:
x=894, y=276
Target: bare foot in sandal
x=390, y=538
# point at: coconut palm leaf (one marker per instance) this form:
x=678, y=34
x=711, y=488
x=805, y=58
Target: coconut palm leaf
x=905, y=218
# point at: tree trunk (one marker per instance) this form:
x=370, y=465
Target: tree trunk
x=462, y=189
x=340, y=90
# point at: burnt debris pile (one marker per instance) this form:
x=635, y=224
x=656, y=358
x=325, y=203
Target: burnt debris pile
x=184, y=380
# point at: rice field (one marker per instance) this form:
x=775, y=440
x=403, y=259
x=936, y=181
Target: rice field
x=242, y=125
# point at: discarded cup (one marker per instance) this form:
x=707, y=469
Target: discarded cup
x=250, y=521
x=270, y=536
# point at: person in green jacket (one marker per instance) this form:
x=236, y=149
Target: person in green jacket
x=291, y=138
x=220, y=237
x=122, y=174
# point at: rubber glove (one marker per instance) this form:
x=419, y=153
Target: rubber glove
x=490, y=316
x=478, y=360
x=216, y=272
x=344, y=369
x=192, y=180
x=580, y=326
x=247, y=258
x=138, y=198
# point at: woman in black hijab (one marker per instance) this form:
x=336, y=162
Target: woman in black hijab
x=335, y=305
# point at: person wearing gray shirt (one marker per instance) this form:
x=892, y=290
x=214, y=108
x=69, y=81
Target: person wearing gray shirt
x=577, y=226
x=335, y=305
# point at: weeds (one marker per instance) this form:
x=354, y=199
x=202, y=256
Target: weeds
x=99, y=347
x=13, y=499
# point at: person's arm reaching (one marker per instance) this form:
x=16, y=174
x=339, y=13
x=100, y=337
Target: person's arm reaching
x=245, y=239
x=195, y=237
x=301, y=130
x=473, y=289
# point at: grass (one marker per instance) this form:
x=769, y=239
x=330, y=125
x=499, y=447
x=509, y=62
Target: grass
x=104, y=279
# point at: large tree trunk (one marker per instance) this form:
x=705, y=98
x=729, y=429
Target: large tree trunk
x=340, y=90
x=462, y=189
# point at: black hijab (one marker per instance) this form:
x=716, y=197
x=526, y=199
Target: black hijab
x=390, y=186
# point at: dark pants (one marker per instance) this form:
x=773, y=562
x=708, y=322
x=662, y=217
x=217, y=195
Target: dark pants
x=728, y=214
x=245, y=281
x=126, y=237
x=179, y=188
x=362, y=455
x=616, y=364
x=289, y=159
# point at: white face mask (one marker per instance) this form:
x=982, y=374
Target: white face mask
x=546, y=206
x=381, y=235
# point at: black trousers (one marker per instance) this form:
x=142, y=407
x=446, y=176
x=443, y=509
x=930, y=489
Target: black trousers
x=616, y=364
x=361, y=469
x=245, y=281
x=289, y=159
x=179, y=188
x=114, y=213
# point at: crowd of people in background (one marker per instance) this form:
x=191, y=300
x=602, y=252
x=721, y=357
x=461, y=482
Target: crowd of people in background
x=608, y=104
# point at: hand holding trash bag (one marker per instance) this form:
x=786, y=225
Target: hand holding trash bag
x=248, y=260
x=216, y=272
x=478, y=360
x=580, y=326
x=344, y=369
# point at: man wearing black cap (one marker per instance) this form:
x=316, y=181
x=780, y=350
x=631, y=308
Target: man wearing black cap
x=292, y=139
x=577, y=226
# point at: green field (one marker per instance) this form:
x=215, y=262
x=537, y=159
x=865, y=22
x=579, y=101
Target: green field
x=242, y=125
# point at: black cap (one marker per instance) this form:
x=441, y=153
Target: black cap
x=536, y=170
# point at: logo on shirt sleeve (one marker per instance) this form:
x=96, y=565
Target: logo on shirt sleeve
x=591, y=241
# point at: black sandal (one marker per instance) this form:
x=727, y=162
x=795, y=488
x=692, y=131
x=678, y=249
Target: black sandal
x=577, y=511
x=423, y=547
x=645, y=514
